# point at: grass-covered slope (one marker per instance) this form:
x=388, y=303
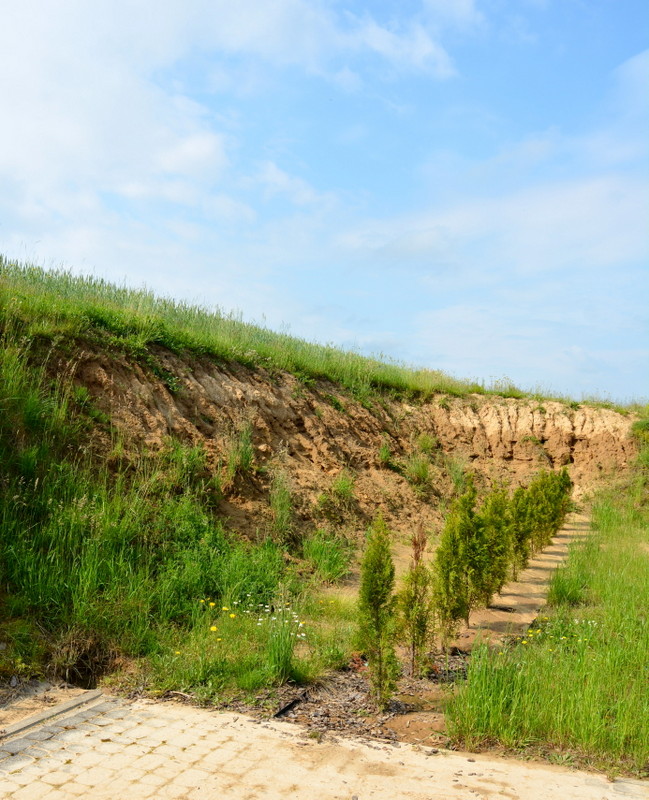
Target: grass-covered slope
x=58, y=304
x=102, y=561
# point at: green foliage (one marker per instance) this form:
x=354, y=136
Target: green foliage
x=281, y=503
x=338, y=501
x=377, y=612
x=241, y=453
x=521, y=525
x=576, y=683
x=494, y=520
x=101, y=560
x=342, y=488
x=415, y=603
x=328, y=554
x=427, y=444
x=640, y=429
x=461, y=563
x=548, y=501
x=57, y=303
x=416, y=470
x=284, y=632
x=456, y=469
x=385, y=456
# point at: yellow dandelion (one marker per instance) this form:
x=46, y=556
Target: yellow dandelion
x=201, y=601
x=219, y=639
x=232, y=616
x=225, y=608
x=177, y=652
x=213, y=628
x=212, y=605
x=524, y=641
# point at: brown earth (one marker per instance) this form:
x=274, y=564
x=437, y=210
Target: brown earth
x=314, y=432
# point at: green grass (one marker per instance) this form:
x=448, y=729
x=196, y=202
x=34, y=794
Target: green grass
x=328, y=554
x=55, y=305
x=576, y=686
x=100, y=561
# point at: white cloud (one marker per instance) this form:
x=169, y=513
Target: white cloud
x=462, y=13
x=195, y=155
x=276, y=181
x=415, y=48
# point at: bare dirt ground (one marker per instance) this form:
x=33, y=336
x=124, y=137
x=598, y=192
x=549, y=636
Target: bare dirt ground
x=32, y=697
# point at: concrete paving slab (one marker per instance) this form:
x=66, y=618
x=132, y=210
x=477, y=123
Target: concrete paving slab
x=193, y=753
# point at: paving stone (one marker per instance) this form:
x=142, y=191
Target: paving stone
x=16, y=746
x=191, y=778
x=96, y=776
x=7, y=786
x=33, y=791
x=9, y=765
x=150, y=762
x=56, y=778
x=39, y=735
x=89, y=759
x=74, y=789
x=153, y=779
x=171, y=792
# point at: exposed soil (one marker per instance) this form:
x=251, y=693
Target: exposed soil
x=32, y=697
x=314, y=432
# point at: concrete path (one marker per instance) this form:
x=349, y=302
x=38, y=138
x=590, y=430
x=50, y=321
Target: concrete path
x=129, y=750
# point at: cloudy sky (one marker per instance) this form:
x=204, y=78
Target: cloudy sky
x=457, y=184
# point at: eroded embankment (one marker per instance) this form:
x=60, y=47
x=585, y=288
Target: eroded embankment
x=313, y=432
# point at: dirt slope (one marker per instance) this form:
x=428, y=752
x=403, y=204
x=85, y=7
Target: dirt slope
x=313, y=432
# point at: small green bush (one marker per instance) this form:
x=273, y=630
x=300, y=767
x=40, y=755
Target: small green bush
x=415, y=603
x=376, y=607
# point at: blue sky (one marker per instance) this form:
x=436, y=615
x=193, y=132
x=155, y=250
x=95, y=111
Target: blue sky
x=456, y=184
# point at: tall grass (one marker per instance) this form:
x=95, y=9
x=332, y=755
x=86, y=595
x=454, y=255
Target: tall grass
x=577, y=683
x=107, y=558
x=57, y=303
x=128, y=558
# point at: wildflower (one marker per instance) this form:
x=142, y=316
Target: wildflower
x=232, y=616
x=219, y=639
x=177, y=652
x=225, y=608
x=201, y=601
x=213, y=628
x=212, y=605
x=524, y=641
